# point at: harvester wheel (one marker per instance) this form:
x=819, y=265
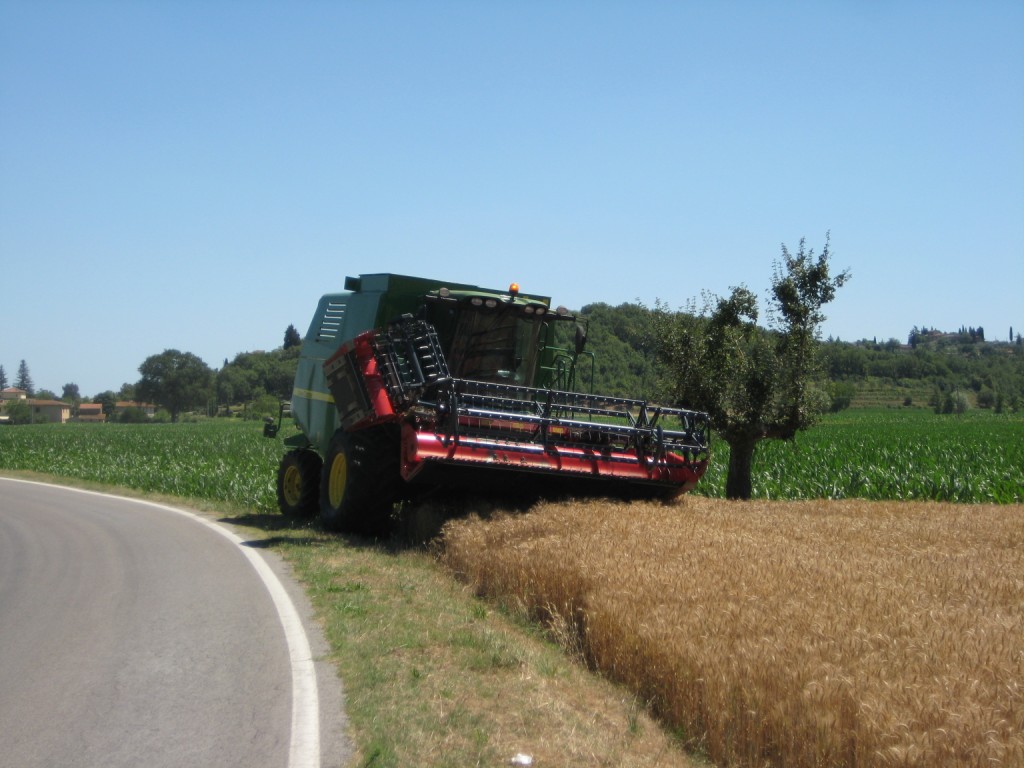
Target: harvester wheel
x=360, y=480
x=298, y=481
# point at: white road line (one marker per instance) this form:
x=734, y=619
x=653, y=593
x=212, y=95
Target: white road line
x=304, y=751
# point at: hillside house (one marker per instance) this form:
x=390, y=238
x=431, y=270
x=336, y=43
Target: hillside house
x=43, y=411
x=7, y=395
x=13, y=393
x=53, y=411
x=91, y=412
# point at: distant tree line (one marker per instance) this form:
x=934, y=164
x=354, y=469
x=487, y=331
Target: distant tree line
x=948, y=362
x=623, y=340
x=251, y=385
x=925, y=335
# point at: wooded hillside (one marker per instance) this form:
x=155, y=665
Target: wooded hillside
x=933, y=370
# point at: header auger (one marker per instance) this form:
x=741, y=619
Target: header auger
x=406, y=385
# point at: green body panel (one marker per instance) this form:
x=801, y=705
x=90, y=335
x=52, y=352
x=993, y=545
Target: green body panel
x=369, y=302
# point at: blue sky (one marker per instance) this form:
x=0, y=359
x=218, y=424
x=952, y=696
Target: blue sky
x=194, y=175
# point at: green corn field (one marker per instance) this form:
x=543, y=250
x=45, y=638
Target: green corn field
x=216, y=460
x=889, y=455
x=893, y=454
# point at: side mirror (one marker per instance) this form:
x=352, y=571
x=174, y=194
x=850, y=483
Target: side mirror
x=581, y=339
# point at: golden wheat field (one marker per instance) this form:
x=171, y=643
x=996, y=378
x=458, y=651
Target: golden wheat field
x=821, y=633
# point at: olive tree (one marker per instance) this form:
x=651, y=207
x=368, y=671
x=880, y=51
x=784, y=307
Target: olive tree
x=755, y=383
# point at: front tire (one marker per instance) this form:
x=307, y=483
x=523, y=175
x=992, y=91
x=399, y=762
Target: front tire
x=360, y=480
x=298, y=483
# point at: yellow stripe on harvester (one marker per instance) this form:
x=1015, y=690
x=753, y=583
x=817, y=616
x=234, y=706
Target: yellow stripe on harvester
x=309, y=394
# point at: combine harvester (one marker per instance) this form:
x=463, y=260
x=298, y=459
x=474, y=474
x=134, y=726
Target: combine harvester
x=407, y=385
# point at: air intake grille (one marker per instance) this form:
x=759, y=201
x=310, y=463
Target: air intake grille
x=332, y=321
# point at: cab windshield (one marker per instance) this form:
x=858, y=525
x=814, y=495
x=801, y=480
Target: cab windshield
x=498, y=344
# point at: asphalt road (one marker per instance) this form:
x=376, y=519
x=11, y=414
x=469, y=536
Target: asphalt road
x=134, y=635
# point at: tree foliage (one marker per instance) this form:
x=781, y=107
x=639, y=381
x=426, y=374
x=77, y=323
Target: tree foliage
x=252, y=376
x=754, y=383
x=624, y=357
x=176, y=381
x=24, y=379
x=3, y=378
x=291, y=337
x=71, y=393
x=108, y=401
x=18, y=412
x=127, y=391
x=132, y=415
x=948, y=362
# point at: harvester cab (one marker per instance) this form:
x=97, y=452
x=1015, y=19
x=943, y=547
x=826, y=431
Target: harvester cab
x=490, y=338
x=405, y=384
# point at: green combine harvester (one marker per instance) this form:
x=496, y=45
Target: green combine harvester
x=407, y=385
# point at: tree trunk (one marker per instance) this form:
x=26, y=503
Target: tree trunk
x=741, y=464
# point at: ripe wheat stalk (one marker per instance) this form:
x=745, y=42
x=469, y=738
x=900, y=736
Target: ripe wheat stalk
x=783, y=633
